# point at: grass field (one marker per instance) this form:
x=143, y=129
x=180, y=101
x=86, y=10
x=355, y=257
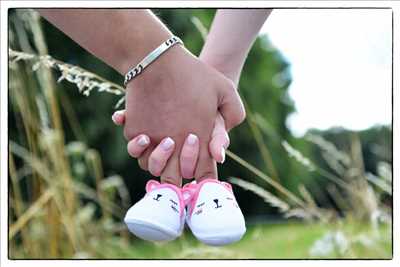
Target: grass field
x=269, y=241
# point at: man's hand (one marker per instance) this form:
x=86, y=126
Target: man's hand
x=175, y=96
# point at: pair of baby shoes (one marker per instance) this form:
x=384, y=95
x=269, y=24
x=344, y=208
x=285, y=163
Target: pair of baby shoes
x=209, y=208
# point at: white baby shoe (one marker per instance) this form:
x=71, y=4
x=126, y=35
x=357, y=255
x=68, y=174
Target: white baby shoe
x=213, y=214
x=159, y=215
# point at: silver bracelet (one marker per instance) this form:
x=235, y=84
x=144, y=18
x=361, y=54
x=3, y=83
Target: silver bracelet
x=132, y=73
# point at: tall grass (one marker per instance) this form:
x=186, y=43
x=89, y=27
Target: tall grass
x=58, y=216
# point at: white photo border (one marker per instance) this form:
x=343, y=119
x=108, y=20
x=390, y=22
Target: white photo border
x=6, y=5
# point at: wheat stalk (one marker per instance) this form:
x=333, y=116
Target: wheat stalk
x=293, y=153
x=298, y=156
x=85, y=81
x=29, y=213
x=200, y=27
x=266, y=178
x=258, y=190
x=329, y=147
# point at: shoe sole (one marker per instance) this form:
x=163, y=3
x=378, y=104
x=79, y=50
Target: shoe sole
x=150, y=231
x=220, y=240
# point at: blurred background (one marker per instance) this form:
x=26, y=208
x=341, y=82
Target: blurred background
x=311, y=166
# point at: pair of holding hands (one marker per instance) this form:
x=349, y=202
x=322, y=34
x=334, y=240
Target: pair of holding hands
x=178, y=113
x=180, y=108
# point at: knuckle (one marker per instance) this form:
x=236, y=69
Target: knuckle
x=229, y=84
x=241, y=115
x=237, y=118
x=187, y=158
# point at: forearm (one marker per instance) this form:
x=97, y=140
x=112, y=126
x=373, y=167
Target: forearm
x=121, y=38
x=230, y=38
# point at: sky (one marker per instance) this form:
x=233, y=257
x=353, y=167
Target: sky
x=340, y=62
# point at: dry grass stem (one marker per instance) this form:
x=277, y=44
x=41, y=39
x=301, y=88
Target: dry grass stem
x=258, y=190
x=85, y=81
x=265, y=177
x=200, y=27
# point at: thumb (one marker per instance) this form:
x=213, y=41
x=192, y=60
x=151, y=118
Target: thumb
x=231, y=106
x=219, y=140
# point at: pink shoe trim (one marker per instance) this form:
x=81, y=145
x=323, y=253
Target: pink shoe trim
x=153, y=184
x=193, y=190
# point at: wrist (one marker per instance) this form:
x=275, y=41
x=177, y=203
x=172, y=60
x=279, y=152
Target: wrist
x=130, y=56
x=229, y=65
x=151, y=57
x=140, y=32
x=160, y=70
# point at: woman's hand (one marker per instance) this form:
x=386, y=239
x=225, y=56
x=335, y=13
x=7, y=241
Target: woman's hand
x=189, y=153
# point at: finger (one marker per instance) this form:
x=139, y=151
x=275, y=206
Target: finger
x=188, y=157
x=144, y=158
x=142, y=161
x=219, y=140
x=119, y=117
x=171, y=174
x=206, y=165
x=231, y=106
x=137, y=145
x=160, y=155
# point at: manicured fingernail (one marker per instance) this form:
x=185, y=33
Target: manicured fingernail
x=222, y=154
x=192, y=139
x=143, y=140
x=114, y=116
x=117, y=115
x=167, y=143
x=226, y=144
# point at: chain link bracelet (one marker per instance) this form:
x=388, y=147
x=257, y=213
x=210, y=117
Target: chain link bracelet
x=132, y=73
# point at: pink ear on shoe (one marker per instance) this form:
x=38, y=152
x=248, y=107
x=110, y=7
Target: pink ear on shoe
x=227, y=185
x=187, y=194
x=151, y=184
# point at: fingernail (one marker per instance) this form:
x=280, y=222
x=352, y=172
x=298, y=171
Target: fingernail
x=167, y=143
x=226, y=144
x=113, y=117
x=222, y=154
x=118, y=113
x=192, y=139
x=143, y=140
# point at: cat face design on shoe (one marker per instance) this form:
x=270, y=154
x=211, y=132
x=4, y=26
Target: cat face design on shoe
x=164, y=200
x=218, y=201
x=215, y=204
x=154, y=191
